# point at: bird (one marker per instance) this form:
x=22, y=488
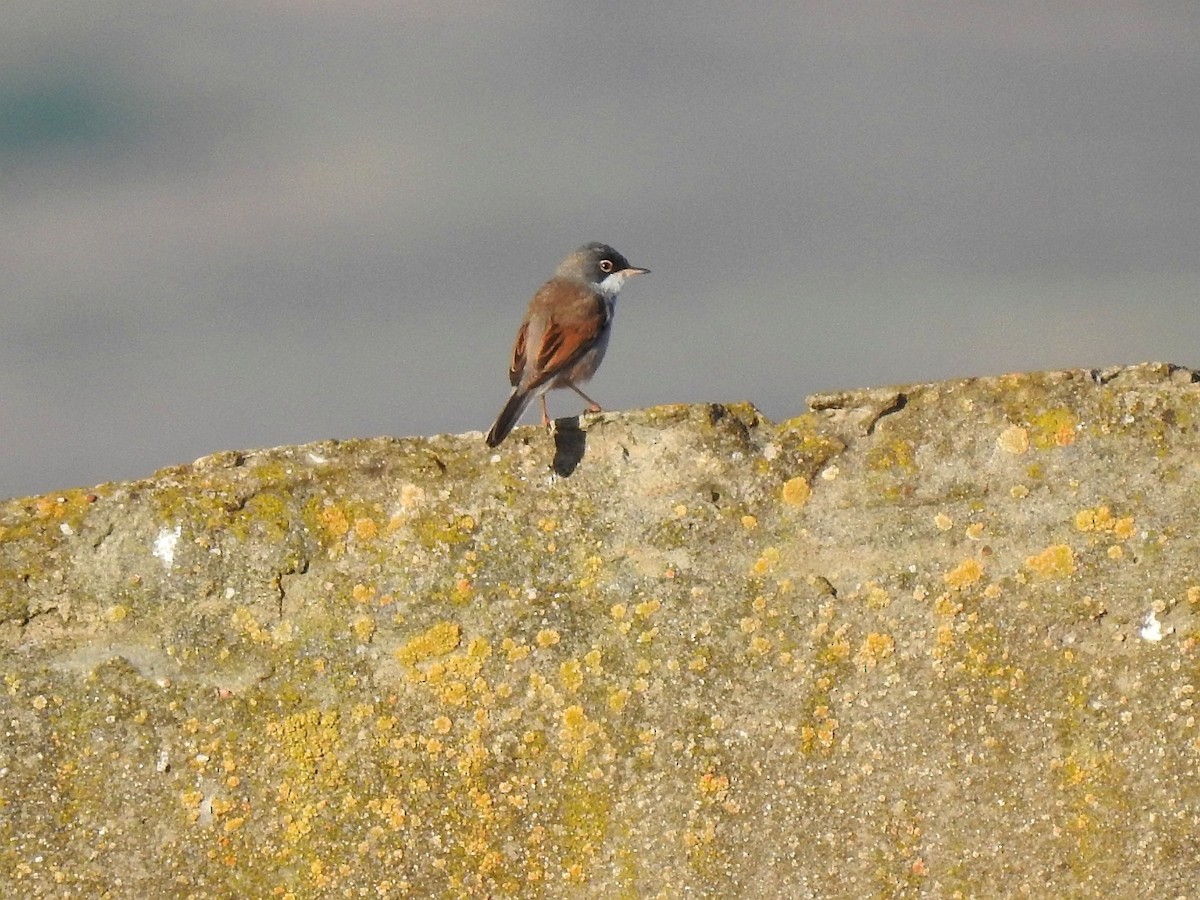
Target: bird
x=564, y=334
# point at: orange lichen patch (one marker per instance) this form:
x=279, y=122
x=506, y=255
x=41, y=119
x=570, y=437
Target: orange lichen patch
x=965, y=573
x=1123, y=529
x=796, y=491
x=767, y=561
x=749, y=522
x=334, y=521
x=547, y=638
x=365, y=529
x=361, y=593
x=1101, y=519
x=1056, y=561
x=974, y=531
x=874, y=648
x=1013, y=439
x=441, y=639
x=191, y=800
x=390, y=809
x=821, y=734
x=442, y=724
x=713, y=786
x=943, y=522
x=1054, y=428
x=310, y=741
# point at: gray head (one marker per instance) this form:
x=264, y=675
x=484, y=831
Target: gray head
x=599, y=264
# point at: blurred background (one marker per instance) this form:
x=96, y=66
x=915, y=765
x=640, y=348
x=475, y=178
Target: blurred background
x=232, y=225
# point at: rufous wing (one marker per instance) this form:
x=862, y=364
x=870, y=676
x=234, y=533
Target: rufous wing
x=575, y=319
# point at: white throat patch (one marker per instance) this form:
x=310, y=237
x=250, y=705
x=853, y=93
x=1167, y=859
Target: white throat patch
x=611, y=286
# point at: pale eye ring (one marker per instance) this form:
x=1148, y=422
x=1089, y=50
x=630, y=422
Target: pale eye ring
x=606, y=265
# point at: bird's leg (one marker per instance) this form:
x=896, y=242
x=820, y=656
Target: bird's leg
x=593, y=406
x=545, y=413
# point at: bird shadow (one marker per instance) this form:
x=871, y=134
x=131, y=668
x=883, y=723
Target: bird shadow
x=570, y=443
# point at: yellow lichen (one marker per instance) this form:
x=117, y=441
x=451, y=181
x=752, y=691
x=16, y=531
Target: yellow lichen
x=1056, y=561
x=877, y=596
x=796, y=491
x=767, y=561
x=618, y=698
x=1101, y=519
x=874, y=648
x=364, y=628
x=515, y=652
x=570, y=673
x=1054, y=428
x=116, y=613
x=965, y=573
x=439, y=640
x=1013, y=439
x=648, y=608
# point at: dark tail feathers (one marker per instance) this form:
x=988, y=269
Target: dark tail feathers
x=516, y=404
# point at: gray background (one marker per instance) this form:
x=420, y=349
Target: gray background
x=230, y=225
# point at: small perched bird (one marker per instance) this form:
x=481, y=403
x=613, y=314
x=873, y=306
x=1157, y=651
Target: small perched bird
x=565, y=332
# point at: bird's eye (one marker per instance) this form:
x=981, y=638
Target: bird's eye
x=606, y=265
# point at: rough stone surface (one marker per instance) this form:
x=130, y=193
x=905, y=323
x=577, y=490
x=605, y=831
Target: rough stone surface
x=938, y=640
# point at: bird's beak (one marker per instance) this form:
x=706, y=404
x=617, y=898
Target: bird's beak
x=635, y=270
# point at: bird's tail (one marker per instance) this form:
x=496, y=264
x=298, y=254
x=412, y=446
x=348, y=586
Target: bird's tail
x=516, y=404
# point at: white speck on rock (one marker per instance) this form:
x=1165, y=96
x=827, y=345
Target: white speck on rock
x=164, y=545
x=1151, y=629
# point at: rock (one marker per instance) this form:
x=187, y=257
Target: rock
x=933, y=639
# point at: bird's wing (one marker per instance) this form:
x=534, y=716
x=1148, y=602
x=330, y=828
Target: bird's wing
x=573, y=324
x=517, y=367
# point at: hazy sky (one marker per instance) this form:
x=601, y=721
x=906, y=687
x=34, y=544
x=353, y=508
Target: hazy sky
x=234, y=225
